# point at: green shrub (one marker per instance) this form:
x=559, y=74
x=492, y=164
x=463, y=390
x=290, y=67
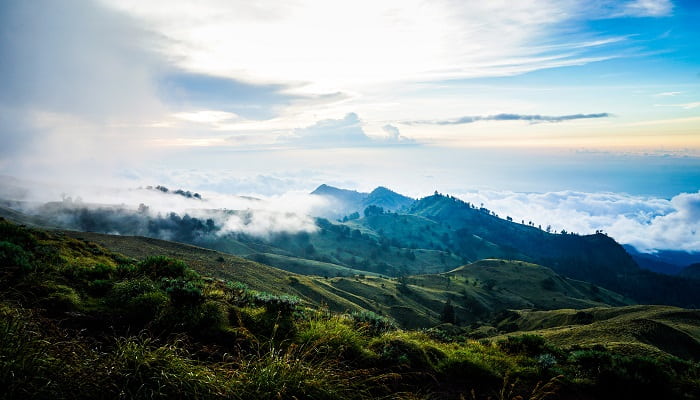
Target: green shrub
x=16, y=235
x=295, y=374
x=140, y=369
x=529, y=345
x=400, y=351
x=14, y=257
x=60, y=298
x=123, y=292
x=184, y=292
x=147, y=306
x=284, y=304
x=335, y=336
x=165, y=267
x=372, y=323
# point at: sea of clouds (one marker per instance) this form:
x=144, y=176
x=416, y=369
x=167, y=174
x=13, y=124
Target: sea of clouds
x=647, y=223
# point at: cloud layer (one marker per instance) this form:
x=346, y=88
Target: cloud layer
x=534, y=118
x=647, y=223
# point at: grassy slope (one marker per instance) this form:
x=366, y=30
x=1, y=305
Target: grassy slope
x=329, y=357
x=644, y=329
x=417, y=304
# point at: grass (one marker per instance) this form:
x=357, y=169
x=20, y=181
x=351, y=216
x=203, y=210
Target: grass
x=156, y=328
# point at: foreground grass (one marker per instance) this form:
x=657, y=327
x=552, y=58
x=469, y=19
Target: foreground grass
x=77, y=321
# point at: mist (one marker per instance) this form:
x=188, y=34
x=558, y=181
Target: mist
x=161, y=212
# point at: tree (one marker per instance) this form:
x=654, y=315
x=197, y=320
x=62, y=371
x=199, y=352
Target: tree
x=448, y=312
x=373, y=210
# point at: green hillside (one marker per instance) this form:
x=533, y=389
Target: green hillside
x=412, y=301
x=649, y=330
x=167, y=320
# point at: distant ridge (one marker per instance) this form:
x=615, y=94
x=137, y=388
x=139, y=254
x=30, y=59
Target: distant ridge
x=349, y=201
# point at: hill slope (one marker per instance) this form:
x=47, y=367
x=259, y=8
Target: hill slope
x=477, y=292
x=650, y=330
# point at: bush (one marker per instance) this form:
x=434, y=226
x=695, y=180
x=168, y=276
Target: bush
x=400, y=351
x=139, y=369
x=123, y=292
x=184, y=292
x=295, y=374
x=165, y=267
x=60, y=299
x=13, y=257
x=335, y=336
x=284, y=304
x=529, y=345
x=372, y=323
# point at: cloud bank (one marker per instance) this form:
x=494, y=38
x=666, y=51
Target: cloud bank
x=534, y=118
x=164, y=213
x=344, y=132
x=647, y=223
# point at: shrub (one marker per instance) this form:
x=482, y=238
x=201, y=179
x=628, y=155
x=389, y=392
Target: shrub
x=374, y=324
x=60, y=298
x=530, y=345
x=184, y=292
x=13, y=257
x=296, y=374
x=335, y=336
x=165, y=267
x=123, y=292
x=406, y=352
x=284, y=304
x=139, y=369
x=16, y=235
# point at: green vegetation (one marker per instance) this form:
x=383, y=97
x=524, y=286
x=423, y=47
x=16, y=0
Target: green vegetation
x=80, y=321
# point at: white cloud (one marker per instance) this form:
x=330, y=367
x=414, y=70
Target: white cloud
x=668, y=94
x=206, y=116
x=331, y=45
x=685, y=106
x=345, y=132
x=645, y=222
x=647, y=8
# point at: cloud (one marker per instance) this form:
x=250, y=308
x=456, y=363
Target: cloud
x=646, y=8
x=668, y=94
x=685, y=106
x=510, y=117
x=647, y=223
x=394, y=135
x=338, y=46
x=190, y=90
x=345, y=132
x=83, y=82
x=143, y=211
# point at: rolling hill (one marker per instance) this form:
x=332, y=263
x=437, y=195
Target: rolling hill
x=477, y=291
x=650, y=330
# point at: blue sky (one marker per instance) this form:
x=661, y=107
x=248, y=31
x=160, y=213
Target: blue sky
x=526, y=96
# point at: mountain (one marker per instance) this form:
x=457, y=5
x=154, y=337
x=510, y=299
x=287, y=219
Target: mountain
x=434, y=235
x=346, y=202
x=691, y=271
x=663, y=262
x=592, y=258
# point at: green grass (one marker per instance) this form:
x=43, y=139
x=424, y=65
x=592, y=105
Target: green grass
x=157, y=328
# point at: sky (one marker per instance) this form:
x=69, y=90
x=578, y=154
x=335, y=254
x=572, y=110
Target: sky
x=265, y=98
